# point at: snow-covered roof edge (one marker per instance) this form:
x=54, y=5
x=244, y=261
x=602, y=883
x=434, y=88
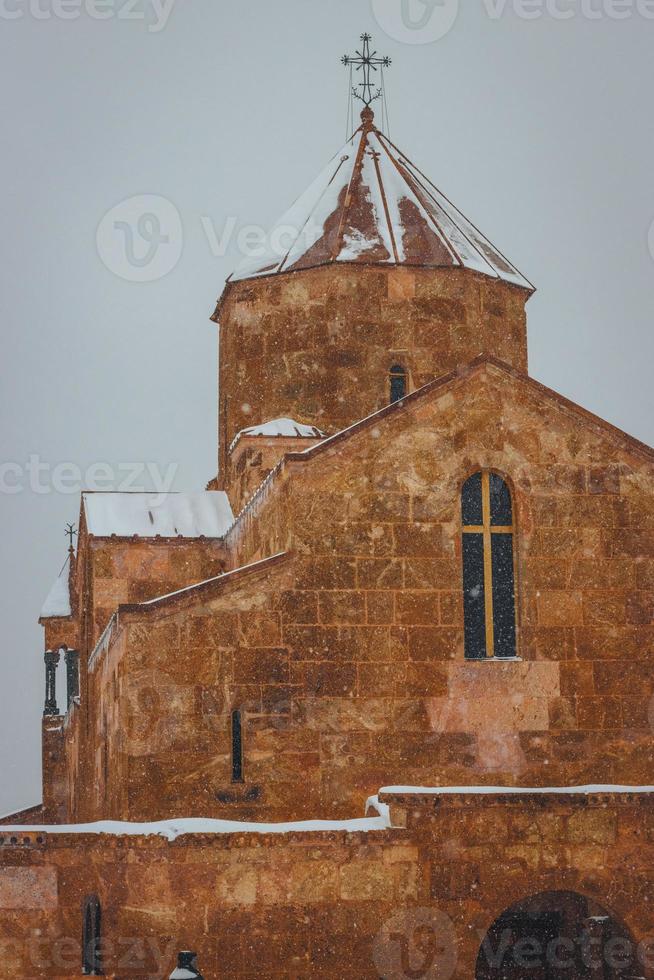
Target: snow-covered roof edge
x=17, y=813
x=157, y=514
x=278, y=428
x=224, y=577
x=172, y=829
x=590, y=790
x=57, y=603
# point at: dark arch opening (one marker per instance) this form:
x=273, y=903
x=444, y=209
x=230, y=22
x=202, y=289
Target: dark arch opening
x=558, y=936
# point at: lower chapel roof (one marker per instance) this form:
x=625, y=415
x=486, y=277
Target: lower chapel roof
x=205, y=514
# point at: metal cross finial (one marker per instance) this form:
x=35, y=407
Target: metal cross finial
x=366, y=62
x=70, y=533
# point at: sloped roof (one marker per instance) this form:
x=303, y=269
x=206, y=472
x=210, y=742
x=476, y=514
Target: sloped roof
x=57, y=603
x=372, y=205
x=168, y=515
x=460, y=376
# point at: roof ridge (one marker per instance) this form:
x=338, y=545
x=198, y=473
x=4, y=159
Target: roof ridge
x=430, y=217
x=459, y=375
x=460, y=212
x=231, y=573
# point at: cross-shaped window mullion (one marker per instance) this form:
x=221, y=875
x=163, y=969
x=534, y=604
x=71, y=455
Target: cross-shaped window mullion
x=487, y=530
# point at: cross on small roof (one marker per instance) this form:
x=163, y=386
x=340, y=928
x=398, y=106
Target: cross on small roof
x=366, y=62
x=70, y=534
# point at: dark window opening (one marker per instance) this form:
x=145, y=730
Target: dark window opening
x=398, y=383
x=488, y=568
x=91, y=938
x=237, y=747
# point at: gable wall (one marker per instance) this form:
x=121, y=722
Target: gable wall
x=376, y=522
x=347, y=659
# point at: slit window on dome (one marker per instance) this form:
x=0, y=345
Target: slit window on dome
x=488, y=568
x=398, y=383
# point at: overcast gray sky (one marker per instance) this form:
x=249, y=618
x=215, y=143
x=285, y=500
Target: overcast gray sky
x=539, y=128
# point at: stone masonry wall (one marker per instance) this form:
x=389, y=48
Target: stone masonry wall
x=134, y=570
x=329, y=904
x=346, y=658
x=317, y=346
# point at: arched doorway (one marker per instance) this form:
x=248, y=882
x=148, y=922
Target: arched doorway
x=558, y=936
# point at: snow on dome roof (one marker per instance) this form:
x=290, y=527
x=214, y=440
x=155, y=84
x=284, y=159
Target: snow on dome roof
x=57, y=602
x=372, y=205
x=147, y=515
x=280, y=427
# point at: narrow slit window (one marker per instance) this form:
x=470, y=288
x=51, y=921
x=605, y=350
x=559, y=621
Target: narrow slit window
x=398, y=383
x=237, y=747
x=91, y=937
x=488, y=568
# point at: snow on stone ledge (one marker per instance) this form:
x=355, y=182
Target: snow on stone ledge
x=592, y=790
x=287, y=428
x=168, y=515
x=172, y=829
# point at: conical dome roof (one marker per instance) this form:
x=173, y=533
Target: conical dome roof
x=371, y=205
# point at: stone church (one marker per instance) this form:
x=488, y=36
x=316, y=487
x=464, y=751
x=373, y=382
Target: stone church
x=378, y=702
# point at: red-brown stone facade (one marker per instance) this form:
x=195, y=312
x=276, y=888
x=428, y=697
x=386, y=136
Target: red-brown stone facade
x=345, y=654
x=317, y=346
x=329, y=661
x=330, y=904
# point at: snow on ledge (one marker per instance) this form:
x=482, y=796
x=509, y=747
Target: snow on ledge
x=591, y=790
x=287, y=428
x=172, y=829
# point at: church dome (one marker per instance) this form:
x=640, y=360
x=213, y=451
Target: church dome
x=372, y=206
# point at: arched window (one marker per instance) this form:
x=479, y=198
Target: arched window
x=398, y=383
x=237, y=747
x=91, y=937
x=488, y=574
